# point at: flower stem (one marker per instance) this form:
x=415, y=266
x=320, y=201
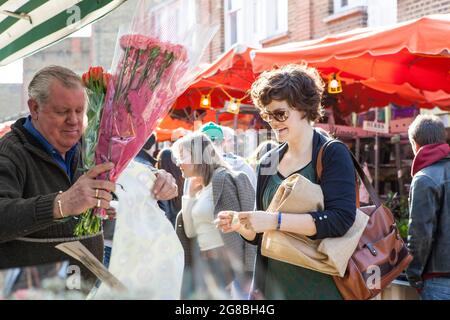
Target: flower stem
x=168, y=60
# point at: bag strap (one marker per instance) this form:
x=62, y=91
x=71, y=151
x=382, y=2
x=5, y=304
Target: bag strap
x=360, y=172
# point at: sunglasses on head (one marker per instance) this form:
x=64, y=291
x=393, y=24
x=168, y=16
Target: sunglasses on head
x=278, y=115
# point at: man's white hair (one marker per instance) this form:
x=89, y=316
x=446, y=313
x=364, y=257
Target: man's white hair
x=39, y=87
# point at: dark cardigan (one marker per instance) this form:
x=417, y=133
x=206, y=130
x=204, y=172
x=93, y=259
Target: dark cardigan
x=29, y=182
x=338, y=187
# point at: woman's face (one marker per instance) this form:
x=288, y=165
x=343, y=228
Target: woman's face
x=289, y=129
x=185, y=164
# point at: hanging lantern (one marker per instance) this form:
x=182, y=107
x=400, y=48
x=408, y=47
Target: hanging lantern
x=334, y=84
x=234, y=105
x=205, y=101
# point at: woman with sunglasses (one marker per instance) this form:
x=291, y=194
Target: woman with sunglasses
x=289, y=99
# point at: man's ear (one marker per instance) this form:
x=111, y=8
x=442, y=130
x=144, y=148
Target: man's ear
x=34, y=108
x=414, y=146
x=418, y=146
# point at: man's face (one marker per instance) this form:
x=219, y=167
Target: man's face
x=60, y=119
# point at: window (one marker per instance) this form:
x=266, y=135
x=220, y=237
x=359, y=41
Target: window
x=276, y=17
x=256, y=15
x=251, y=21
x=233, y=28
x=172, y=19
x=234, y=24
x=343, y=5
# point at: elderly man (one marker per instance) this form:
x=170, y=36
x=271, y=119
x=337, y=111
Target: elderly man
x=42, y=187
x=429, y=228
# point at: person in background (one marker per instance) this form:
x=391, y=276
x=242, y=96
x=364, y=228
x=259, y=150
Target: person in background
x=145, y=155
x=214, y=187
x=223, y=139
x=429, y=209
x=191, y=251
x=166, y=161
x=261, y=150
x=289, y=99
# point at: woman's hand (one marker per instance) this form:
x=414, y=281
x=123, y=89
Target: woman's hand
x=228, y=221
x=225, y=221
x=258, y=221
x=195, y=185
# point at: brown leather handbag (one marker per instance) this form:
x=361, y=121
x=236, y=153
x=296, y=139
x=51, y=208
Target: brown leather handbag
x=381, y=254
x=297, y=195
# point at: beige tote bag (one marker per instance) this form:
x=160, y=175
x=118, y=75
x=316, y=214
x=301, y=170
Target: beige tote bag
x=297, y=195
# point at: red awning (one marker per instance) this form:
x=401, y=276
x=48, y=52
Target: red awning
x=230, y=75
x=232, y=71
x=410, y=59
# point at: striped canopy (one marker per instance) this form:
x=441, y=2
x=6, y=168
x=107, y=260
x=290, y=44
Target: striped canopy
x=29, y=26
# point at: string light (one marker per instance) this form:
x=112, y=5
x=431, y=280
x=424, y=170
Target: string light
x=234, y=104
x=205, y=99
x=334, y=84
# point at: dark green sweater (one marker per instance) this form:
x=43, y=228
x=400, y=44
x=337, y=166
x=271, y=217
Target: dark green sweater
x=29, y=182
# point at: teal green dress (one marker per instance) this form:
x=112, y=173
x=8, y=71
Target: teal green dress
x=290, y=282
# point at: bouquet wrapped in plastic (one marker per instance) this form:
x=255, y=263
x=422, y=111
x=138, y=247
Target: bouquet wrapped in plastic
x=153, y=64
x=96, y=81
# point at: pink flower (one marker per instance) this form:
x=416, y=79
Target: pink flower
x=180, y=52
x=138, y=41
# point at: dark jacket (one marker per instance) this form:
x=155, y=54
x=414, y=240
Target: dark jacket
x=29, y=182
x=429, y=229
x=338, y=187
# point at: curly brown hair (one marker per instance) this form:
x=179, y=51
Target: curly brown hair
x=299, y=85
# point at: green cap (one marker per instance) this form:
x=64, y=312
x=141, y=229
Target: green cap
x=213, y=131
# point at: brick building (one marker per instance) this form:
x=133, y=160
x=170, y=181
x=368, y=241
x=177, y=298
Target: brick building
x=267, y=23
x=259, y=23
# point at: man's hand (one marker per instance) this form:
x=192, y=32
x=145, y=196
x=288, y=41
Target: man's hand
x=165, y=187
x=86, y=193
x=258, y=221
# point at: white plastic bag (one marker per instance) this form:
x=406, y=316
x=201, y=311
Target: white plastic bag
x=147, y=256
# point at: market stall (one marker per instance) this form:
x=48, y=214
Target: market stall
x=219, y=94
x=410, y=60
